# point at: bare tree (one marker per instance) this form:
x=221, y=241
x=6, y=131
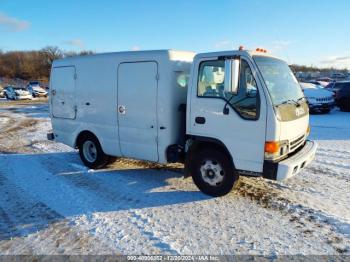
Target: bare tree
x=29, y=65
x=52, y=53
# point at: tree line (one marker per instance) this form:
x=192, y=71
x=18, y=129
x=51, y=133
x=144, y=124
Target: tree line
x=30, y=65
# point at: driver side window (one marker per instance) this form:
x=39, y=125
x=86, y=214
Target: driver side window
x=211, y=83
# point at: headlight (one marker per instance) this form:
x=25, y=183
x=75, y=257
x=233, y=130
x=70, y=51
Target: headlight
x=275, y=149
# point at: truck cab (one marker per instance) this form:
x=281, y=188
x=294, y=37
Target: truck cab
x=245, y=112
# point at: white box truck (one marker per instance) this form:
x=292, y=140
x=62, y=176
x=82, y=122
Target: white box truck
x=222, y=114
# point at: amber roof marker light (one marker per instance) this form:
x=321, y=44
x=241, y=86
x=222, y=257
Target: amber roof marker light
x=261, y=50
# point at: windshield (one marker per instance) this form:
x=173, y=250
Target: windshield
x=279, y=79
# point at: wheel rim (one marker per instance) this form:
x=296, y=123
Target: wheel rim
x=90, y=151
x=212, y=172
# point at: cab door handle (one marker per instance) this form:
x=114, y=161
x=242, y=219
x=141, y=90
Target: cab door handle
x=200, y=120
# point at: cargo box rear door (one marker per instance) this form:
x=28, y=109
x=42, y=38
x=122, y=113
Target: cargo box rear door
x=63, y=92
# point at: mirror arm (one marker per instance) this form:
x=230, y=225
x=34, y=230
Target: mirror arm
x=226, y=110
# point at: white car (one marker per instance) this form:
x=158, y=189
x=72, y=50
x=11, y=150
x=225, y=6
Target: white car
x=2, y=93
x=319, y=99
x=17, y=93
x=36, y=90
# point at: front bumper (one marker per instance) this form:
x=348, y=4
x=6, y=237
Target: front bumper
x=50, y=136
x=292, y=165
x=40, y=94
x=320, y=106
x=23, y=97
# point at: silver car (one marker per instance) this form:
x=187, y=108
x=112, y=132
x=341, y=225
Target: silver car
x=17, y=93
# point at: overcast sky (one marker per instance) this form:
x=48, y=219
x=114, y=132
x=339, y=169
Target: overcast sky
x=304, y=32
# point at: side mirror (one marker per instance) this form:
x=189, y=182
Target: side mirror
x=232, y=75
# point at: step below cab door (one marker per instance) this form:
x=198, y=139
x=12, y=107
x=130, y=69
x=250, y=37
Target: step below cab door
x=242, y=127
x=137, y=110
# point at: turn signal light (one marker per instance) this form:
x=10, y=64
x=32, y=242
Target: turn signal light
x=308, y=129
x=271, y=147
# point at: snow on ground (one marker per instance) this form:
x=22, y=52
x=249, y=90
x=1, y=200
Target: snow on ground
x=51, y=204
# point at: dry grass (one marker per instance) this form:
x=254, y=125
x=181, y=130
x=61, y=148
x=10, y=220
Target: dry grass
x=6, y=103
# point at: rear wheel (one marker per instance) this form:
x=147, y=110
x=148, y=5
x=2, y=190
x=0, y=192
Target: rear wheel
x=213, y=172
x=325, y=111
x=91, y=152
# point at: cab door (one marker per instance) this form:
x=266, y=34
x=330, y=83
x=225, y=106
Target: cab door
x=242, y=130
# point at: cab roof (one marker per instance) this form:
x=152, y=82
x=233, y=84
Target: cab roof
x=236, y=52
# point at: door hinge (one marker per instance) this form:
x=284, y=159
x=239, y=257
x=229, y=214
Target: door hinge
x=157, y=76
x=75, y=109
x=75, y=76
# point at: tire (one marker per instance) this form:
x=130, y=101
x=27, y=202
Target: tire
x=213, y=172
x=91, y=152
x=7, y=97
x=325, y=111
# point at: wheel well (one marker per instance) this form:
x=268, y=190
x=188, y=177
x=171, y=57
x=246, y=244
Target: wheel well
x=199, y=144
x=83, y=134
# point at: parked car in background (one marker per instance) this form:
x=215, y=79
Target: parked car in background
x=335, y=86
x=338, y=76
x=17, y=93
x=2, y=92
x=36, y=90
x=343, y=98
x=320, y=83
x=325, y=79
x=319, y=99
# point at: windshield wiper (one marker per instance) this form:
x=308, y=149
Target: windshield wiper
x=289, y=101
x=300, y=99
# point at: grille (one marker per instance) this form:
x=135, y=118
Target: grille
x=324, y=99
x=294, y=144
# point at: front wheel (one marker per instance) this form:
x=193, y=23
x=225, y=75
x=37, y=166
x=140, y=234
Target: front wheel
x=91, y=152
x=213, y=172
